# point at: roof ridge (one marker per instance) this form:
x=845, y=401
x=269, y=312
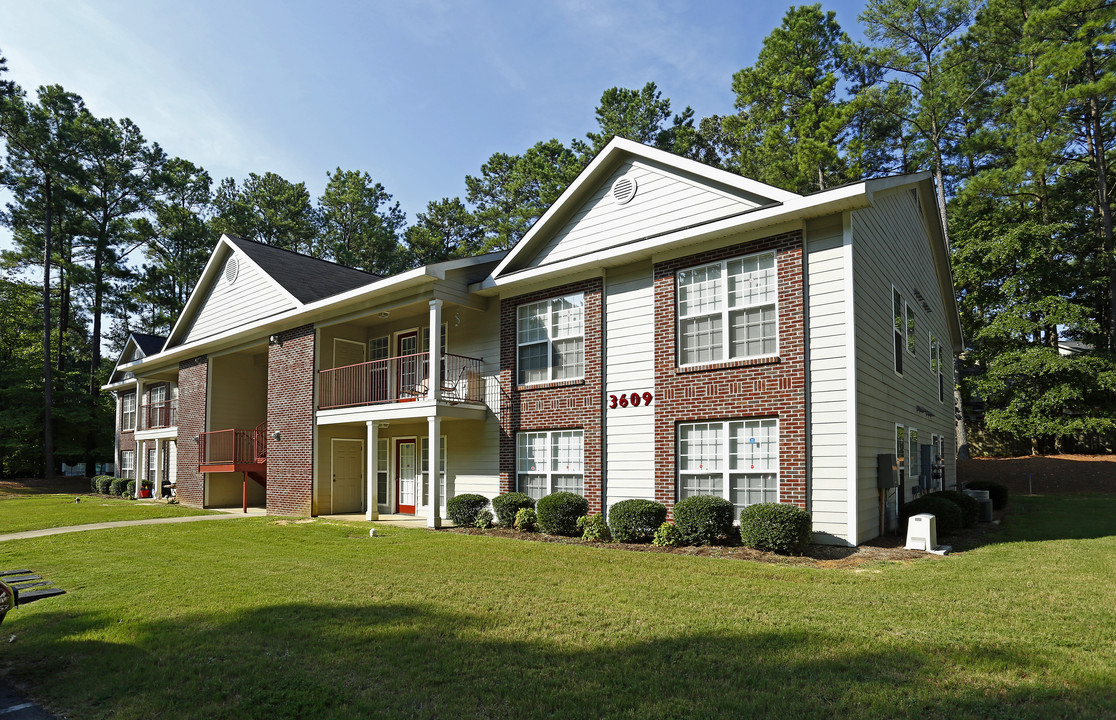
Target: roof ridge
x=237, y=238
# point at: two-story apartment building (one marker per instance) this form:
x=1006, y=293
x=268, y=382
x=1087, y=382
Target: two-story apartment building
x=665, y=329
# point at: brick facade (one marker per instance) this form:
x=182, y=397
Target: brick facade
x=746, y=389
x=564, y=405
x=290, y=412
x=192, y=381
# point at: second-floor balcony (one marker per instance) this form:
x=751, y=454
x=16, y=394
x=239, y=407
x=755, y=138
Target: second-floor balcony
x=158, y=415
x=227, y=450
x=401, y=379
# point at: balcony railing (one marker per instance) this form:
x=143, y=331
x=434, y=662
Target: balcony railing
x=233, y=447
x=400, y=379
x=158, y=415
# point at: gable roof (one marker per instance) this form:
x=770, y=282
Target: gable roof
x=136, y=347
x=149, y=344
x=306, y=278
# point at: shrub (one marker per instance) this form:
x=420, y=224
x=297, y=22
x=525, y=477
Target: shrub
x=776, y=527
x=100, y=483
x=996, y=492
x=947, y=513
x=701, y=519
x=667, y=536
x=119, y=486
x=970, y=507
x=525, y=520
x=594, y=528
x=508, y=504
x=484, y=520
x=633, y=521
x=462, y=510
x=130, y=491
x=558, y=513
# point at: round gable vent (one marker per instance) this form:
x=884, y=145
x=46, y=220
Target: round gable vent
x=232, y=268
x=624, y=189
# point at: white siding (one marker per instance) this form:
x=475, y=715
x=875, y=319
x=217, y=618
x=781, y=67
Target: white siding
x=228, y=306
x=629, y=348
x=665, y=200
x=891, y=246
x=827, y=403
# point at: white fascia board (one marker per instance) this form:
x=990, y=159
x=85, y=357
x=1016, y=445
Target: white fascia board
x=120, y=385
x=192, y=302
x=849, y=197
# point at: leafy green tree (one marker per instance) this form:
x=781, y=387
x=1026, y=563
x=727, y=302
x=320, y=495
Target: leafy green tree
x=360, y=227
x=270, y=210
x=447, y=230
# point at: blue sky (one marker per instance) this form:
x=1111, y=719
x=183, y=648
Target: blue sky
x=418, y=94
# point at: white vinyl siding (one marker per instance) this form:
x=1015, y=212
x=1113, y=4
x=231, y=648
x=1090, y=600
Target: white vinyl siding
x=551, y=339
x=727, y=310
x=550, y=461
x=250, y=297
x=736, y=459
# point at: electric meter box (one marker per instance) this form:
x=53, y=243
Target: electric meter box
x=887, y=471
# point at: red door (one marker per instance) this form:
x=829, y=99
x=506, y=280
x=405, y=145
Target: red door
x=406, y=472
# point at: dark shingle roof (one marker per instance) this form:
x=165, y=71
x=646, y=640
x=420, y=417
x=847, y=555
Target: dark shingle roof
x=305, y=277
x=149, y=344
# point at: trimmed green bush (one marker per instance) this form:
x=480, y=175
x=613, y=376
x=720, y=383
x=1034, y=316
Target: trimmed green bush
x=634, y=521
x=462, y=510
x=100, y=484
x=667, y=536
x=702, y=519
x=775, y=527
x=948, y=514
x=525, y=520
x=484, y=520
x=119, y=486
x=558, y=513
x=507, y=505
x=997, y=493
x=970, y=507
x=594, y=528
x=130, y=491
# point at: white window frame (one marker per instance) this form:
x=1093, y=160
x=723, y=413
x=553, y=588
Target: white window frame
x=125, y=413
x=909, y=325
x=724, y=311
x=128, y=464
x=424, y=338
x=550, y=470
x=899, y=323
x=900, y=436
x=914, y=452
x=552, y=336
x=936, y=365
x=424, y=470
x=722, y=459
x=379, y=348
x=383, y=472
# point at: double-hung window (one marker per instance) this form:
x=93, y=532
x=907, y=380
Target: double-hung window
x=901, y=453
x=728, y=310
x=128, y=464
x=899, y=322
x=550, y=461
x=936, y=365
x=550, y=335
x=424, y=463
x=128, y=411
x=736, y=459
x=915, y=452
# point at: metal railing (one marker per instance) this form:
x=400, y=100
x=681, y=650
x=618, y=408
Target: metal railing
x=400, y=379
x=158, y=415
x=234, y=446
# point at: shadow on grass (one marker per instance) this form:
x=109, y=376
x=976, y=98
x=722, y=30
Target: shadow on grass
x=398, y=660
x=1039, y=518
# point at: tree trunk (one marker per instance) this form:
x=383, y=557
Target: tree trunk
x=48, y=394
x=95, y=351
x=1100, y=163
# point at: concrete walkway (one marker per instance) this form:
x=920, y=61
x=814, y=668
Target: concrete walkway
x=223, y=515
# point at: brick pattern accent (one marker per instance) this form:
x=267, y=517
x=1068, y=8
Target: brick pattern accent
x=566, y=405
x=734, y=390
x=290, y=412
x=193, y=375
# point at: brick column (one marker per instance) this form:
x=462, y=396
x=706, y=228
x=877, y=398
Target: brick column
x=193, y=376
x=290, y=412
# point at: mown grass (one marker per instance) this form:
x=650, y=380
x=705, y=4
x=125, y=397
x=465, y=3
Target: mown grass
x=19, y=512
x=257, y=619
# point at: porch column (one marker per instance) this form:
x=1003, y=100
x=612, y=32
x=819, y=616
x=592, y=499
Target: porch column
x=157, y=481
x=434, y=444
x=371, y=441
x=141, y=461
x=435, y=359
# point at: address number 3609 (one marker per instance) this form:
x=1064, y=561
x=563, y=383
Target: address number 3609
x=634, y=399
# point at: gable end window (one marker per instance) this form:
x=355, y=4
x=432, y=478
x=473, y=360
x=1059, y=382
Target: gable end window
x=550, y=339
x=128, y=411
x=728, y=310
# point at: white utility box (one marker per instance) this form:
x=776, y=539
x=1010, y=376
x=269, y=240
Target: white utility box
x=922, y=534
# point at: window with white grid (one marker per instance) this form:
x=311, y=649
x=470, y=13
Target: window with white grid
x=128, y=464
x=550, y=461
x=424, y=464
x=734, y=459
x=728, y=310
x=550, y=335
x=128, y=411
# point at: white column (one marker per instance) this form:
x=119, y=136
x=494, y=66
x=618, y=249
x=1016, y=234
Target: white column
x=434, y=444
x=141, y=458
x=435, y=359
x=157, y=481
x=372, y=444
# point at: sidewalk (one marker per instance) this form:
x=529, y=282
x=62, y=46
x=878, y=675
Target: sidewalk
x=224, y=515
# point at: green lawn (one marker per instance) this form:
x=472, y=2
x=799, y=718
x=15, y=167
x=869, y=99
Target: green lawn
x=258, y=619
x=35, y=511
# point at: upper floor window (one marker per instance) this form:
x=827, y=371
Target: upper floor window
x=727, y=310
x=128, y=411
x=900, y=322
x=550, y=336
x=936, y=365
x=550, y=461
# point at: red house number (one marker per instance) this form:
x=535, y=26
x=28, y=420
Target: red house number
x=634, y=399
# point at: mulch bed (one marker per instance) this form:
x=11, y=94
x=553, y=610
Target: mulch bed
x=1044, y=474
